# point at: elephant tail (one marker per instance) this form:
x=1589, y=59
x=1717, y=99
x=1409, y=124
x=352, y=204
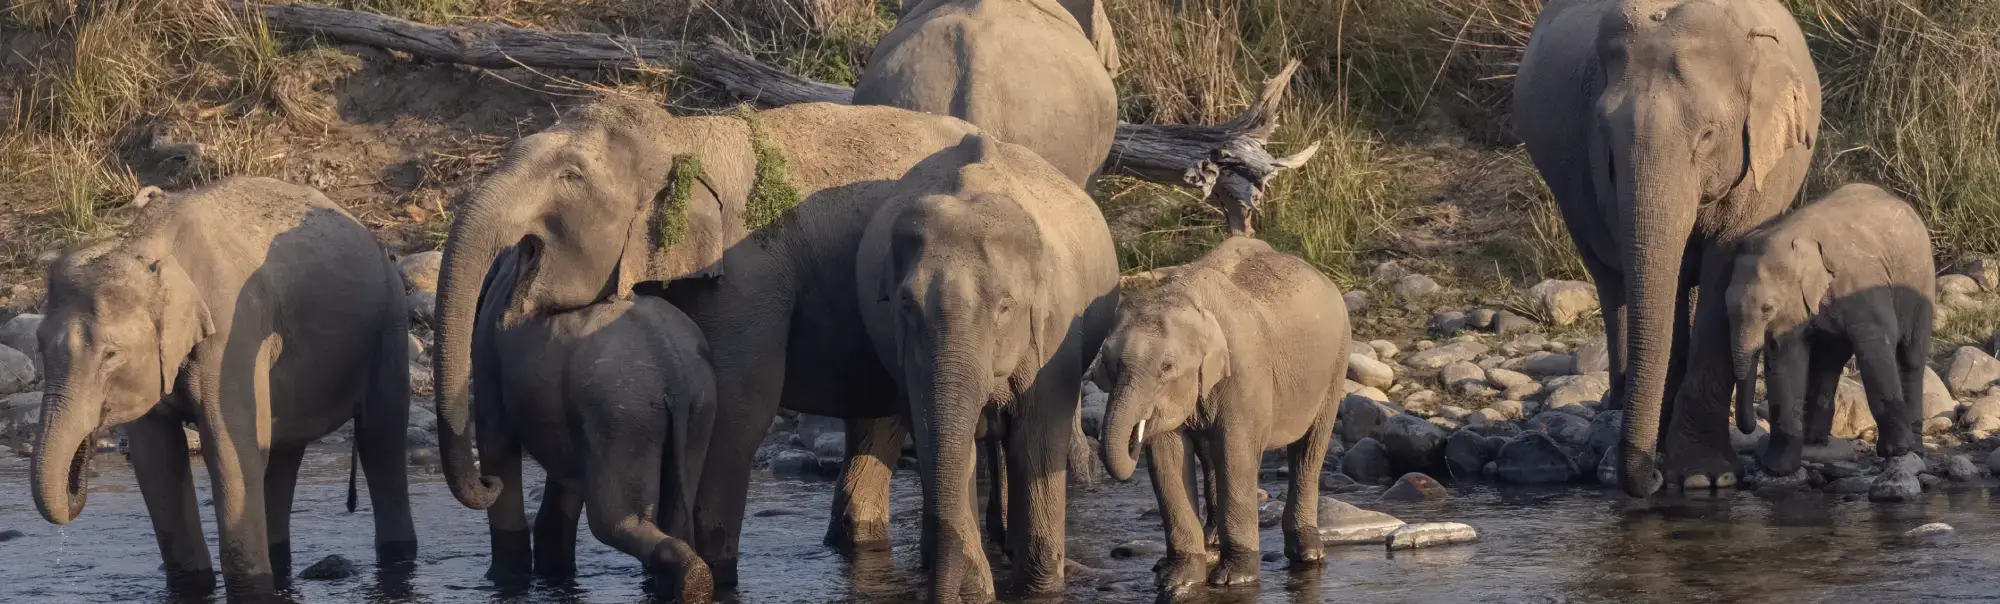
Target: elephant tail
x=354, y=456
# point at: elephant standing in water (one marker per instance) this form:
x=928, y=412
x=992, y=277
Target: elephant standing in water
x=1847, y=276
x=1031, y=72
x=264, y=314
x=988, y=279
x=614, y=400
x=751, y=220
x=1667, y=130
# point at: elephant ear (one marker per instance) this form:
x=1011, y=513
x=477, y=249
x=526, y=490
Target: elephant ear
x=1215, y=353
x=1781, y=115
x=686, y=227
x=183, y=319
x=1815, y=278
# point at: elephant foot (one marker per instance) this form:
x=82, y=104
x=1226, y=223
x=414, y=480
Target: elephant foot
x=281, y=560
x=193, y=581
x=1701, y=464
x=395, y=552
x=723, y=570
x=1698, y=482
x=1236, y=569
x=1175, y=574
x=513, y=558
x=677, y=571
x=857, y=537
x=1306, y=557
x=258, y=587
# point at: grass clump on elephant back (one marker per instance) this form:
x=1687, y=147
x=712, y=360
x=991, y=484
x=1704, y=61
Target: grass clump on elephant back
x=771, y=193
x=669, y=223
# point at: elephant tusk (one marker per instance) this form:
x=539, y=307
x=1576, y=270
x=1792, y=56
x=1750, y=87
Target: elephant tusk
x=1138, y=438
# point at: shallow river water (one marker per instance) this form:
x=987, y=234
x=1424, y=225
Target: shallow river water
x=1549, y=545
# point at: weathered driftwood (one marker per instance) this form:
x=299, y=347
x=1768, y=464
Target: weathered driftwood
x=1227, y=162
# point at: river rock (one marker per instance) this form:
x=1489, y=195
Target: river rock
x=1466, y=453
x=1938, y=426
x=1508, y=379
x=1592, y=356
x=1561, y=302
x=1384, y=349
x=1416, y=287
x=1270, y=514
x=1481, y=318
x=1961, y=469
x=1929, y=531
x=11, y=534
x=1607, y=468
x=1549, y=364
x=1412, y=444
x=1533, y=458
x=1415, y=486
x=420, y=271
x=1138, y=548
x=794, y=462
x=17, y=371
x=1357, y=301
x=1440, y=356
x=1447, y=324
x=1937, y=396
x=1575, y=390
x=1971, y=371
x=1431, y=534
x=1457, y=375
x=1746, y=443
x=1851, y=417
x=830, y=445
x=1370, y=372
x=1344, y=524
x=1422, y=402
x=1362, y=348
x=1982, y=419
x=1849, y=485
x=19, y=334
x=1604, y=431
x=1564, y=428
x=1361, y=417
x=423, y=307
x=1509, y=323
x=1993, y=461
x=1898, y=481
x=328, y=568
x=1961, y=285
x=1367, y=462
x=1388, y=272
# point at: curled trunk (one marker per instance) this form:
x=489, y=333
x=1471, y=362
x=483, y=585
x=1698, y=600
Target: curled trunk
x=1749, y=342
x=1658, y=194
x=1124, y=416
x=61, y=472
x=475, y=241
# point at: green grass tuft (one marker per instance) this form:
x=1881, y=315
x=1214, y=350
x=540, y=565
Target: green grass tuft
x=771, y=193
x=670, y=221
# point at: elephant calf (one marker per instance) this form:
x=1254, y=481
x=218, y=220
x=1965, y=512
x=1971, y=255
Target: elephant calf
x=613, y=400
x=264, y=314
x=1242, y=351
x=1848, y=275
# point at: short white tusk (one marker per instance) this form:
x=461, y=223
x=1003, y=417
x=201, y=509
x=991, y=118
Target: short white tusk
x=1139, y=436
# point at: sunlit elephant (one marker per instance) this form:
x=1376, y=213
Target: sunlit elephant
x=988, y=279
x=752, y=221
x=1236, y=353
x=613, y=400
x=1847, y=276
x=1032, y=72
x=264, y=314
x=1666, y=131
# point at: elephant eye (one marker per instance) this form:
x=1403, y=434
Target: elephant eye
x=570, y=174
x=1769, y=308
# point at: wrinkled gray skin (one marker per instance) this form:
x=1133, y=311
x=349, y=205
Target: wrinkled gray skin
x=778, y=305
x=1848, y=275
x=1033, y=72
x=1239, y=353
x=613, y=400
x=985, y=280
x=1667, y=130
x=263, y=314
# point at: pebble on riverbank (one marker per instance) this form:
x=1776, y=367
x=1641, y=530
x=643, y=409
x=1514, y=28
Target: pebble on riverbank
x=329, y=568
x=1431, y=534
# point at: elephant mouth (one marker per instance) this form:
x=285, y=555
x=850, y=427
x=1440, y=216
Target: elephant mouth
x=79, y=465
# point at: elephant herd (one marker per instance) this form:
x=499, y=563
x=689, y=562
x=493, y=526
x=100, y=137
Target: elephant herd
x=631, y=295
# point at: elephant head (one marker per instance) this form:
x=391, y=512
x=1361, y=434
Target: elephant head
x=1164, y=357
x=1774, y=293
x=120, y=324
x=1700, y=103
x=617, y=193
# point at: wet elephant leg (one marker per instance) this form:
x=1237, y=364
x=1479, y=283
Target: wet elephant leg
x=1301, y=521
x=1910, y=363
x=622, y=477
x=381, y=435
x=1829, y=360
x=230, y=427
x=1896, y=423
x=1611, y=297
x=159, y=454
x=1209, y=464
x=1236, y=489
x=1788, y=384
x=507, y=519
x=555, y=528
x=959, y=569
x=1186, y=562
x=280, y=478
x=993, y=452
x=1697, y=452
x=860, y=519
x=749, y=383
x=1038, y=477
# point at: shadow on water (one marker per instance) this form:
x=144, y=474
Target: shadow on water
x=1539, y=545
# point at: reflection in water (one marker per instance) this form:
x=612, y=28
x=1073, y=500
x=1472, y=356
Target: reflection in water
x=1541, y=545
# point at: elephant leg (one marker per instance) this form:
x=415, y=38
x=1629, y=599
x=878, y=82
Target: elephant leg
x=622, y=482
x=160, y=462
x=1038, y=478
x=381, y=434
x=1186, y=562
x=1301, y=522
x=959, y=569
x=1236, y=489
x=555, y=528
x=1611, y=299
x=1915, y=347
x=994, y=454
x=236, y=465
x=1793, y=373
x=1209, y=465
x=860, y=521
x=1677, y=349
x=281, y=476
x=1083, y=461
x=1697, y=452
x=1896, y=424
x=749, y=382
x=507, y=518
x=1828, y=361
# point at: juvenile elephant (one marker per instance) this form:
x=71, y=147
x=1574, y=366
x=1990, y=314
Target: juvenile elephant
x=1033, y=72
x=1667, y=130
x=1239, y=352
x=614, y=400
x=986, y=279
x=751, y=220
x=1848, y=275
x=264, y=314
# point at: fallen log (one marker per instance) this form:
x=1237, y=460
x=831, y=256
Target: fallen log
x=1227, y=162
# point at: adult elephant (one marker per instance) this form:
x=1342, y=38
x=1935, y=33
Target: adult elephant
x=1667, y=130
x=751, y=220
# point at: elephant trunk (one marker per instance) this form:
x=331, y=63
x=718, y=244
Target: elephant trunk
x=1749, y=344
x=63, y=451
x=477, y=237
x=1658, y=193
x=1125, y=418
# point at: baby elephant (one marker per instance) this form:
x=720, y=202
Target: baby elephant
x=1848, y=275
x=1243, y=351
x=615, y=400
